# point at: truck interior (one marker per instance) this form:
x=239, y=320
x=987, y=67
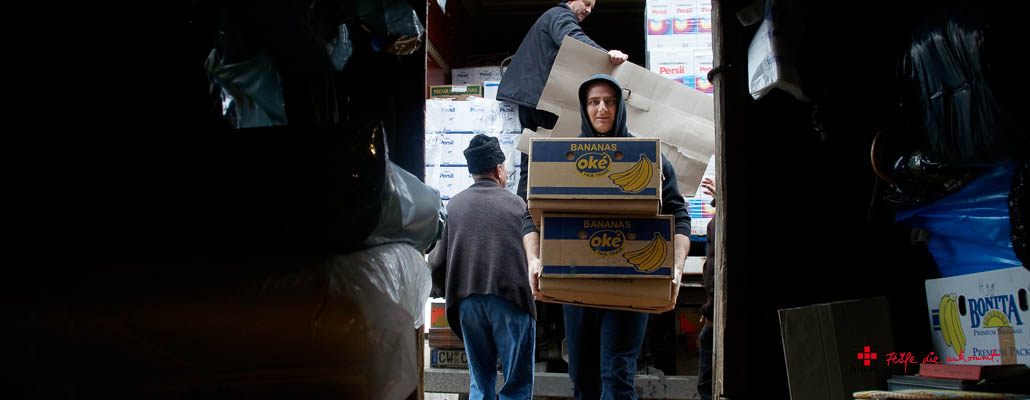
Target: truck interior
x=174, y=256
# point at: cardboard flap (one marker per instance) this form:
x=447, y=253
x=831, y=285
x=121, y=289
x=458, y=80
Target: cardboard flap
x=639, y=102
x=527, y=134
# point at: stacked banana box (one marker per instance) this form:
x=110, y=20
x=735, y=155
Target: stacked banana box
x=596, y=203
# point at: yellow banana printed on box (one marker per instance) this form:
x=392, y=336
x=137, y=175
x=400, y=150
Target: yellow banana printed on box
x=981, y=318
x=601, y=245
x=602, y=168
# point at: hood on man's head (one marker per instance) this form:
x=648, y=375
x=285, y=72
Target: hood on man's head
x=483, y=154
x=619, y=127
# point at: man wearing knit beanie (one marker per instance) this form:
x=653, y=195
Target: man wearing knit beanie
x=480, y=265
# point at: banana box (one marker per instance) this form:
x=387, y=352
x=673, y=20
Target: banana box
x=606, y=246
x=981, y=318
x=629, y=294
x=565, y=174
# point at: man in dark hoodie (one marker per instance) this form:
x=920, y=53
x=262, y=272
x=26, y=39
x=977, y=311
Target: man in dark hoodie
x=603, y=344
x=480, y=266
x=525, y=78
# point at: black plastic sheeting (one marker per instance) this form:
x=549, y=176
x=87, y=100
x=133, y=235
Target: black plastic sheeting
x=956, y=72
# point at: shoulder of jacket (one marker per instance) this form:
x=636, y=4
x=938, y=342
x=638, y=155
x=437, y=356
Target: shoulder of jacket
x=562, y=10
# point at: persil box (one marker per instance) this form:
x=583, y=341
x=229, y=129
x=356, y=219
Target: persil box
x=606, y=246
x=625, y=172
x=983, y=316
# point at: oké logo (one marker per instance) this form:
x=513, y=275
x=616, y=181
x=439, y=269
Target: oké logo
x=607, y=243
x=593, y=164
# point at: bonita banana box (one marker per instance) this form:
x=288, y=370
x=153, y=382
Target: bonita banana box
x=607, y=246
x=985, y=316
x=625, y=172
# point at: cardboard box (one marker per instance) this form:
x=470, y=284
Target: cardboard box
x=677, y=65
x=642, y=295
x=681, y=117
x=701, y=213
x=475, y=75
x=490, y=89
x=625, y=172
x=457, y=92
x=607, y=246
x=986, y=311
x=820, y=344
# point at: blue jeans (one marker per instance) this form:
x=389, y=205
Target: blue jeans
x=603, y=348
x=704, y=366
x=492, y=327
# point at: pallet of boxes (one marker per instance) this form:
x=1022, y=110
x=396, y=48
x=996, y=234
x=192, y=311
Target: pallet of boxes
x=596, y=203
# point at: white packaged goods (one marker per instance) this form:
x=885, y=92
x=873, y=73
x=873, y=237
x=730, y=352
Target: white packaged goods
x=509, y=115
x=700, y=41
x=701, y=212
x=450, y=180
x=490, y=89
x=677, y=65
x=460, y=117
x=702, y=65
x=451, y=125
x=704, y=17
x=982, y=316
x=475, y=75
x=684, y=17
x=435, y=112
x=493, y=117
x=658, y=20
x=683, y=43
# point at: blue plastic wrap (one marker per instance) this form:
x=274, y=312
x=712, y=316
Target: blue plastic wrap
x=969, y=230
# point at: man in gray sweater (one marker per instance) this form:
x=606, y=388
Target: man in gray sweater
x=481, y=267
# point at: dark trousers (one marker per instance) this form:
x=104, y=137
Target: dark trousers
x=531, y=119
x=704, y=368
x=603, y=349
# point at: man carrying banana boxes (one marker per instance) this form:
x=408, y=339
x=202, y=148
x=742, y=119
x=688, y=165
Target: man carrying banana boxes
x=614, y=265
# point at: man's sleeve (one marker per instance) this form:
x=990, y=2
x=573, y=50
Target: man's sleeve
x=523, y=177
x=527, y=224
x=672, y=199
x=566, y=25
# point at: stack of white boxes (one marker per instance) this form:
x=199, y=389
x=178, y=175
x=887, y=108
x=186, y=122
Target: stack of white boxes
x=679, y=41
x=489, y=77
x=451, y=125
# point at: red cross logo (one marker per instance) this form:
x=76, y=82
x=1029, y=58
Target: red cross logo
x=866, y=356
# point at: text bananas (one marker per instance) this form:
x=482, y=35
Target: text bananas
x=650, y=257
x=636, y=178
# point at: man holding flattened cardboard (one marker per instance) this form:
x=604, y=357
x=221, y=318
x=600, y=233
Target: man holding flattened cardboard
x=603, y=344
x=480, y=266
x=525, y=78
